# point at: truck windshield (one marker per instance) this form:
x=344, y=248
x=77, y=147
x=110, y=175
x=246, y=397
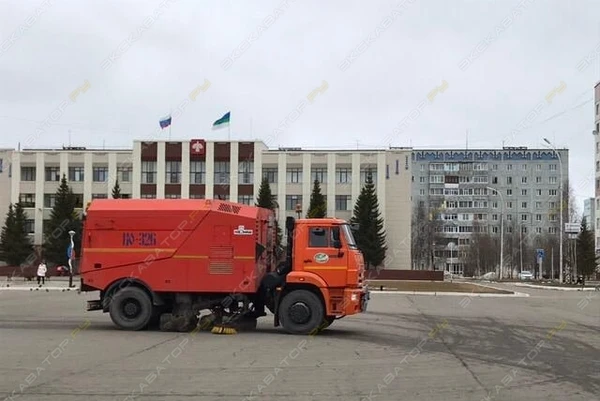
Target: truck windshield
x=348, y=236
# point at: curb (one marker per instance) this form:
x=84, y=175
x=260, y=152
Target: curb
x=461, y=294
x=43, y=289
x=543, y=287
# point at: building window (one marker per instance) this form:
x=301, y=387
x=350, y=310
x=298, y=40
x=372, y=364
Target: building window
x=245, y=199
x=78, y=201
x=28, y=174
x=52, y=173
x=524, y=192
x=173, y=196
x=538, y=217
x=523, y=180
x=523, y=217
x=538, y=230
x=222, y=197
x=196, y=196
x=552, y=192
x=509, y=167
x=99, y=196
x=30, y=226
x=538, y=192
x=552, y=180
x=291, y=201
x=523, y=167
x=197, y=172
x=343, y=202
x=365, y=170
x=148, y=196
x=246, y=172
x=294, y=175
x=270, y=174
x=49, y=200
x=343, y=175
x=509, y=205
x=538, y=180
x=173, y=172
x=222, y=172
x=124, y=174
x=76, y=174
x=523, y=205
x=553, y=167
x=422, y=192
x=319, y=174
x=552, y=230
x=149, y=172
x=27, y=200
x=538, y=167
x=100, y=174
x=509, y=192
x=508, y=180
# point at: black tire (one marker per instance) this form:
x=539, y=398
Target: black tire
x=131, y=309
x=301, y=312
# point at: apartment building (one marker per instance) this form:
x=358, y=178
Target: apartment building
x=468, y=191
x=596, y=133
x=233, y=170
x=92, y=173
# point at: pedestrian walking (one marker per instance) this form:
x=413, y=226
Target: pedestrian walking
x=41, y=272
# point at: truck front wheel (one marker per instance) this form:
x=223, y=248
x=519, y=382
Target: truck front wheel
x=131, y=309
x=301, y=312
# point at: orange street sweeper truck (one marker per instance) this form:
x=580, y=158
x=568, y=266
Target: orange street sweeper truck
x=162, y=262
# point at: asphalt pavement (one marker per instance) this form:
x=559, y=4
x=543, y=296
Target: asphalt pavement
x=407, y=347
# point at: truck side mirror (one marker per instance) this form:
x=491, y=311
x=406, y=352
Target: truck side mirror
x=354, y=226
x=335, y=233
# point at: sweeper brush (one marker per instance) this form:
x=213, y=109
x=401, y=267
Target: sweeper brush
x=223, y=330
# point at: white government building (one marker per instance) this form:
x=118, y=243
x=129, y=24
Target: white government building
x=229, y=170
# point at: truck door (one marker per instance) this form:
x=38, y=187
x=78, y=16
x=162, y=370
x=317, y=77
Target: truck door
x=321, y=258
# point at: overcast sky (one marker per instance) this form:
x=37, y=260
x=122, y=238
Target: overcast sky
x=373, y=65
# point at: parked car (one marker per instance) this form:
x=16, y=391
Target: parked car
x=526, y=275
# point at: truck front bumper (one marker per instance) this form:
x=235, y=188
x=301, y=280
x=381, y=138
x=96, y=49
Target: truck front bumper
x=356, y=300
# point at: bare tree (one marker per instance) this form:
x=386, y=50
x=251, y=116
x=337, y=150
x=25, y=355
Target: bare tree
x=482, y=253
x=425, y=225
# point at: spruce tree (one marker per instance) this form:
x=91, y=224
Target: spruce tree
x=15, y=245
x=587, y=261
x=116, y=192
x=267, y=200
x=63, y=219
x=317, y=208
x=370, y=236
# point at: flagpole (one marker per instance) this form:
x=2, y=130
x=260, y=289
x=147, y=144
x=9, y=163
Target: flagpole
x=170, y=125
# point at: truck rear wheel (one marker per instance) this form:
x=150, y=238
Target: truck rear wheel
x=301, y=312
x=131, y=309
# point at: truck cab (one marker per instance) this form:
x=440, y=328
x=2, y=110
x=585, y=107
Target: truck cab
x=323, y=266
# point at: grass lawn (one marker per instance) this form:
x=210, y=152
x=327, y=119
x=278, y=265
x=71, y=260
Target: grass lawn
x=432, y=286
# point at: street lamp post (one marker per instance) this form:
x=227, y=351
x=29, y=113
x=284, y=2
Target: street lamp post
x=501, y=232
x=560, y=261
x=70, y=255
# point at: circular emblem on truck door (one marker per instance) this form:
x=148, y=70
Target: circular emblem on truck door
x=321, y=258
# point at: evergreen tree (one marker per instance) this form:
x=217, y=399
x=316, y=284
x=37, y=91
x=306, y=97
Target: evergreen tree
x=370, y=236
x=63, y=219
x=116, y=192
x=587, y=260
x=15, y=245
x=267, y=200
x=317, y=208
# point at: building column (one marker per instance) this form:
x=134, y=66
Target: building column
x=113, y=174
x=64, y=165
x=185, y=170
x=15, y=184
x=381, y=182
x=88, y=178
x=40, y=178
x=356, y=184
x=281, y=188
x=233, y=170
x=160, y=170
x=209, y=192
x=257, y=168
x=306, y=181
x=331, y=161
x=136, y=170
